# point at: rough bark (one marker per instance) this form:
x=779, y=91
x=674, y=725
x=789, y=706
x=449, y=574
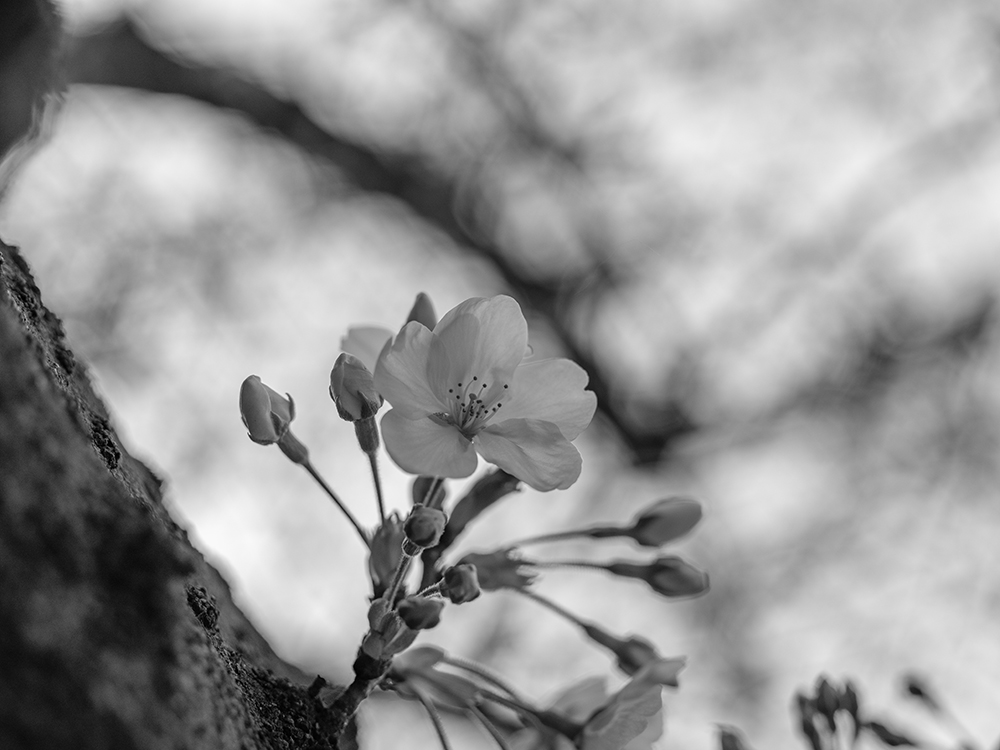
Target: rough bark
x=114, y=631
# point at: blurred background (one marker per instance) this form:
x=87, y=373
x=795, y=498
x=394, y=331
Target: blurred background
x=768, y=230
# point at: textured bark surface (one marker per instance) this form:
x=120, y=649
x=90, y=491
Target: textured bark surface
x=114, y=631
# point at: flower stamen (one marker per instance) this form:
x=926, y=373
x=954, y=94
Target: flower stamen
x=470, y=411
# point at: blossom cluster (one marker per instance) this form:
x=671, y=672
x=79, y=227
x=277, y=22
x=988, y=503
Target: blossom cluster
x=460, y=389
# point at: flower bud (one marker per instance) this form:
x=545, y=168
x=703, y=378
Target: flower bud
x=730, y=738
x=423, y=311
x=827, y=702
x=634, y=654
x=424, y=526
x=501, y=569
x=352, y=389
x=849, y=702
x=420, y=612
x=668, y=576
x=265, y=412
x=386, y=552
x=460, y=583
x=665, y=521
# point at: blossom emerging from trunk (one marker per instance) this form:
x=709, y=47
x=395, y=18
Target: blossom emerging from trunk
x=464, y=389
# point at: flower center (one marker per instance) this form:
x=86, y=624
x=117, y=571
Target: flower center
x=469, y=411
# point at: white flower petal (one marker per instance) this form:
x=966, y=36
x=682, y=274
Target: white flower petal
x=365, y=343
x=422, y=446
x=553, y=390
x=401, y=373
x=483, y=338
x=532, y=450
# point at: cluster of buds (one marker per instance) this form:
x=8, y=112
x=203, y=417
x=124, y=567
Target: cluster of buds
x=396, y=615
x=387, y=634
x=831, y=710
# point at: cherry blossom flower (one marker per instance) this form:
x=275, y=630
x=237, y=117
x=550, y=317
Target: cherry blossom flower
x=463, y=388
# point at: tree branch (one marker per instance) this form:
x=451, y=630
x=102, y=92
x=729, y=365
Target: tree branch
x=119, y=56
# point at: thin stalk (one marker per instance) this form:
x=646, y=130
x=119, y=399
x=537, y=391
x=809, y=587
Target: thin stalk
x=512, y=703
x=432, y=712
x=343, y=508
x=540, y=718
x=431, y=491
x=553, y=537
x=373, y=460
x=489, y=726
x=565, y=564
x=486, y=674
x=397, y=579
x=434, y=588
x=548, y=603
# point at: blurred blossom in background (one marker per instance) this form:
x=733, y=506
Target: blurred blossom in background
x=768, y=230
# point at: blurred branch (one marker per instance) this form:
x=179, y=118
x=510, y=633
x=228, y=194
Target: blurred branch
x=118, y=55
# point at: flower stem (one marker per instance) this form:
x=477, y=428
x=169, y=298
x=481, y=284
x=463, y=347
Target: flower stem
x=434, y=588
x=548, y=603
x=554, y=537
x=431, y=492
x=397, y=579
x=489, y=726
x=343, y=508
x=432, y=712
x=550, y=719
x=484, y=673
x=565, y=564
x=373, y=460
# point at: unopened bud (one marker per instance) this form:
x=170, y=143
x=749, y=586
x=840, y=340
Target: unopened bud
x=665, y=521
x=386, y=552
x=420, y=612
x=730, y=738
x=460, y=583
x=501, y=569
x=265, y=412
x=423, y=311
x=424, y=527
x=807, y=710
x=827, y=702
x=668, y=576
x=850, y=702
x=635, y=653
x=352, y=389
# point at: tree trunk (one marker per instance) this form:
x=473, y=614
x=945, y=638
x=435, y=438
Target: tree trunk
x=114, y=631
